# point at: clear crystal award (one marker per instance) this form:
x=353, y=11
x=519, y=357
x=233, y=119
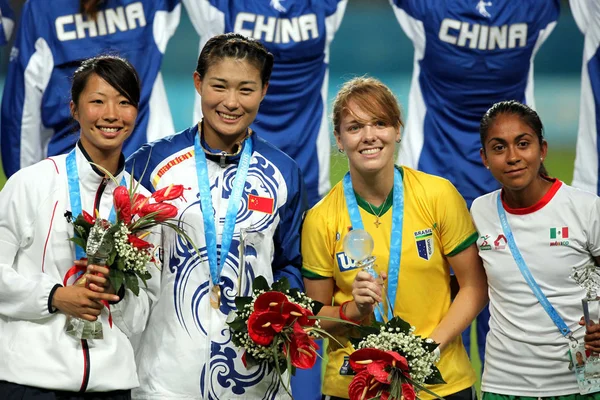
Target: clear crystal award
x=358, y=245
x=99, y=245
x=588, y=277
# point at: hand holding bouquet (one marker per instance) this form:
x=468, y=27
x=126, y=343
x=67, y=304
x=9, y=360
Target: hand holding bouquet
x=120, y=245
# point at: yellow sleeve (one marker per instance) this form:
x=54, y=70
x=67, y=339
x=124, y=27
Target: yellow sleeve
x=456, y=227
x=318, y=243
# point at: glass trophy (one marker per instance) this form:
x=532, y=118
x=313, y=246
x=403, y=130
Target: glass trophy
x=358, y=245
x=588, y=277
x=99, y=245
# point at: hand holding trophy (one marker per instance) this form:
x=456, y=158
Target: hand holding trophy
x=358, y=245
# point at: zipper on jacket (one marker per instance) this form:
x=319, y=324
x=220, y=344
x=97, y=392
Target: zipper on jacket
x=222, y=159
x=86, y=366
x=99, y=192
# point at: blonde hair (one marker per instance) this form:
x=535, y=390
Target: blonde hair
x=370, y=95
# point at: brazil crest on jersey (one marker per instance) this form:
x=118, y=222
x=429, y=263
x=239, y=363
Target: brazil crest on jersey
x=468, y=55
x=293, y=115
x=52, y=39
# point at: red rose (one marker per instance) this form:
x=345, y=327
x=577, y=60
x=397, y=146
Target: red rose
x=139, y=200
x=122, y=203
x=270, y=301
x=170, y=192
x=137, y=242
x=164, y=211
x=88, y=218
x=262, y=326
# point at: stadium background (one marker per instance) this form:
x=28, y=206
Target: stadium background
x=370, y=41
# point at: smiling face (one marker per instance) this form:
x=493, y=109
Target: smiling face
x=105, y=116
x=369, y=143
x=513, y=152
x=231, y=92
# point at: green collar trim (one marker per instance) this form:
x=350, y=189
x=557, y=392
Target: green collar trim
x=384, y=207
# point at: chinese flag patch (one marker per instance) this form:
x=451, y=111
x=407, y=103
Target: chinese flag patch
x=262, y=204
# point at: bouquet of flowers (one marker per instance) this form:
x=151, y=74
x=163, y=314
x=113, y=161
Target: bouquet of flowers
x=277, y=325
x=392, y=363
x=120, y=245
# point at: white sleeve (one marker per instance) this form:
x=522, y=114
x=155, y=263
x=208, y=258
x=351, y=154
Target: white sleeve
x=23, y=297
x=581, y=13
x=593, y=233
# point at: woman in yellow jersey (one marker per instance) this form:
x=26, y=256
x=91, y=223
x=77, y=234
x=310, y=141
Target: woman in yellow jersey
x=419, y=221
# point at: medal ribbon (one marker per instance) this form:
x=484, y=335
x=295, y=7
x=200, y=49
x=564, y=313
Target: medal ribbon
x=75, y=200
x=396, y=235
x=208, y=212
x=537, y=291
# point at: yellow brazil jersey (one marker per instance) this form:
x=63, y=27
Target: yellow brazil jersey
x=436, y=224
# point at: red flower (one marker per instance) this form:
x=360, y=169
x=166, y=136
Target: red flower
x=88, y=218
x=376, y=365
x=139, y=200
x=164, y=211
x=122, y=203
x=270, y=301
x=364, y=386
x=294, y=312
x=137, y=242
x=303, y=350
x=170, y=192
x=262, y=326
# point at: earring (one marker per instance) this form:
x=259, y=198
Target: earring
x=487, y=166
x=341, y=150
x=399, y=140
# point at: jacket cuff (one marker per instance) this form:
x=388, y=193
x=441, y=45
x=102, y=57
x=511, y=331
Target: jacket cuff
x=51, y=309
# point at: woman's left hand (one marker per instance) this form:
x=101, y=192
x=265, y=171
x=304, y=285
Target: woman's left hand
x=97, y=277
x=592, y=336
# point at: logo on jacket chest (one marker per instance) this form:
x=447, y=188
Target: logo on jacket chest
x=424, y=243
x=107, y=22
x=487, y=242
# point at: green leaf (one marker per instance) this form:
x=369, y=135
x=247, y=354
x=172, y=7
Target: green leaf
x=111, y=256
x=281, y=285
x=429, y=346
x=120, y=264
x=260, y=283
x=117, y=278
x=132, y=283
x=250, y=360
x=398, y=322
x=317, y=307
x=241, y=302
x=238, y=325
x=435, y=377
x=79, y=242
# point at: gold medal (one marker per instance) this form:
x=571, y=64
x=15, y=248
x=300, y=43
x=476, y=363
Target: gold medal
x=215, y=297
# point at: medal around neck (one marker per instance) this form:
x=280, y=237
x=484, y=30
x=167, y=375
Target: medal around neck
x=359, y=245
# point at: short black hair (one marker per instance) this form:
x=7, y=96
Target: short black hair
x=236, y=46
x=115, y=70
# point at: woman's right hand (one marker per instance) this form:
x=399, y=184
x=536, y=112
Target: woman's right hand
x=367, y=292
x=81, y=302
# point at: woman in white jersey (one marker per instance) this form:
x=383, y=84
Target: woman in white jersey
x=555, y=228
x=39, y=359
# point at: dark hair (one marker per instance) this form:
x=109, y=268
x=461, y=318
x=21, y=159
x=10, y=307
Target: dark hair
x=233, y=45
x=116, y=71
x=512, y=107
x=90, y=7
x=370, y=95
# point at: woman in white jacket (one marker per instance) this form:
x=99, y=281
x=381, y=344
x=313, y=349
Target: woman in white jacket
x=38, y=358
